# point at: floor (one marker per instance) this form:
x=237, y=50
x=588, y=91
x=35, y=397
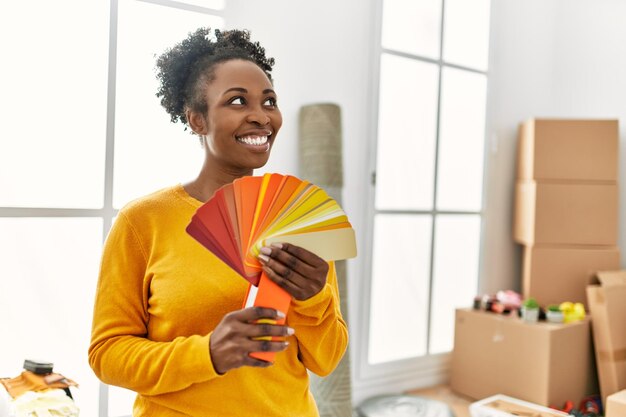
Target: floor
x=458, y=403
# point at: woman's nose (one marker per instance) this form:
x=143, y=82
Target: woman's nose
x=258, y=116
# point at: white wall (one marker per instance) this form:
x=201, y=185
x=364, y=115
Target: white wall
x=556, y=58
x=323, y=52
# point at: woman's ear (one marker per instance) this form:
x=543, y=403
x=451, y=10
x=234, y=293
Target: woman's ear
x=197, y=122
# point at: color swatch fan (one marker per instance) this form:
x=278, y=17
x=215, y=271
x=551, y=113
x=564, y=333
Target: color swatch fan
x=253, y=212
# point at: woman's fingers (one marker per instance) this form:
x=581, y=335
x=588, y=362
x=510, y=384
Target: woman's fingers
x=287, y=281
x=283, y=273
x=245, y=331
x=298, y=271
x=254, y=322
x=305, y=256
x=263, y=346
x=268, y=329
x=251, y=314
x=295, y=257
x=268, y=346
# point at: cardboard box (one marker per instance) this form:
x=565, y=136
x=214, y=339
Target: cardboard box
x=565, y=213
x=568, y=149
x=505, y=406
x=616, y=404
x=607, y=304
x=553, y=274
x=543, y=363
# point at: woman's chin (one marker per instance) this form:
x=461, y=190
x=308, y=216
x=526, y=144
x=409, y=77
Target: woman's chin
x=259, y=162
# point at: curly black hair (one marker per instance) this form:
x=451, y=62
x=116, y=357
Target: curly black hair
x=185, y=69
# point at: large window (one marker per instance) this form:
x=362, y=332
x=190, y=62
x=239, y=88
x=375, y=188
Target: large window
x=82, y=134
x=427, y=179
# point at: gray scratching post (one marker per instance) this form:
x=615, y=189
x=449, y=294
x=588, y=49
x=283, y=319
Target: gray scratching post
x=320, y=158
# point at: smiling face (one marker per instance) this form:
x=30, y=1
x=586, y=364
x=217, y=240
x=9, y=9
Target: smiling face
x=242, y=119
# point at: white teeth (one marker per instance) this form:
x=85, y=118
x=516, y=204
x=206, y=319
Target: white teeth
x=253, y=140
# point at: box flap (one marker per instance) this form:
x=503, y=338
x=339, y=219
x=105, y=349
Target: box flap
x=616, y=404
x=612, y=278
x=619, y=396
x=503, y=405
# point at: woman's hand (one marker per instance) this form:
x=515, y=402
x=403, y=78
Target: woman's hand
x=298, y=271
x=233, y=338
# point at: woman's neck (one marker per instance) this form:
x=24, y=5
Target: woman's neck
x=210, y=179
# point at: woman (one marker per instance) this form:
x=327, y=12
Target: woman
x=168, y=322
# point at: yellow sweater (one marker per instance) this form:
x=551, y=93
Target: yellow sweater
x=160, y=294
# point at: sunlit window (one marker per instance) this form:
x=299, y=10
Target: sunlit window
x=407, y=121
x=53, y=107
x=399, y=287
x=78, y=91
x=48, y=267
x=428, y=175
x=412, y=26
x=150, y=151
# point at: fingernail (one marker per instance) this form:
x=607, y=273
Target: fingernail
x=290, y=331
x=277, y=245
x=280, y=314
x=286, y=344
x=266, y=251
x=264, y=258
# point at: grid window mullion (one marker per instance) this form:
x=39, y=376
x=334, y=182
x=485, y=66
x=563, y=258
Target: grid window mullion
x=452, y=209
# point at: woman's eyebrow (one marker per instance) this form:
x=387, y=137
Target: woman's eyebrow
x=238, y=89
x=243, y=90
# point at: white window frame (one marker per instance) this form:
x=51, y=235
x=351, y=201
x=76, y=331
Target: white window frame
x=107, y=213
x=430, y=369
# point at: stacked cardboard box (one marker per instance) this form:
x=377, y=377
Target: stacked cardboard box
x=544, y=363
x=607, y=303
x=566, y=206
x=566, y=217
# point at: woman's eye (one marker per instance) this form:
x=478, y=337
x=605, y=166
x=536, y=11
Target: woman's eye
x=237, y=100
x=270, y=102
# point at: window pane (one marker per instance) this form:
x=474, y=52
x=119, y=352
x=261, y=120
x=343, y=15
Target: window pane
x=121, y=401
x=211, y=4
x=49, y=270
x=455, y=275
x=466, y=38
x=412, y=26
x=53, y=108
x=400, y=284
x=407, y=122
x=150, y=152
x=461, y=140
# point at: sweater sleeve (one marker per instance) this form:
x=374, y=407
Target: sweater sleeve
x=321, y=331
x=120, y=352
